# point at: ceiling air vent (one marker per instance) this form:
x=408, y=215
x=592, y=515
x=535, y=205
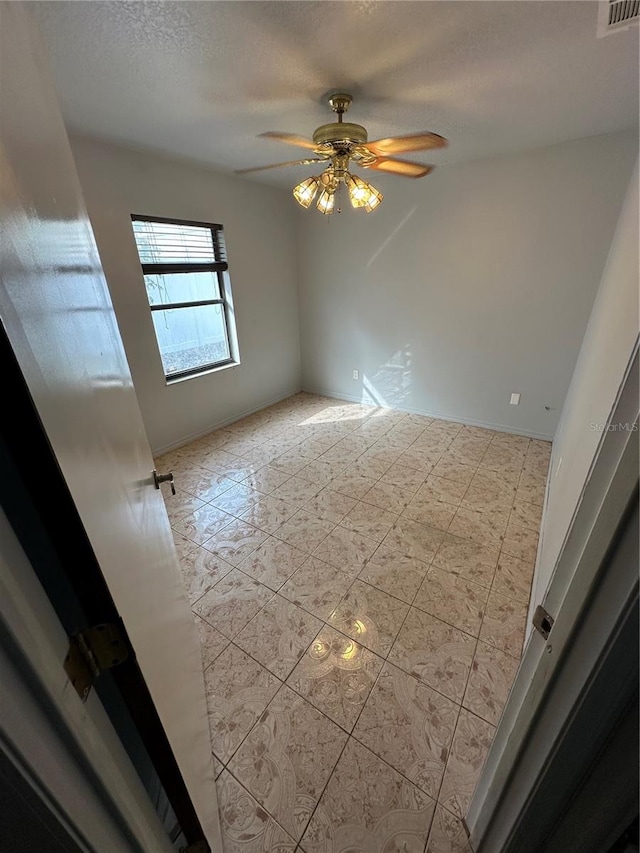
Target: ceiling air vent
x=616, y=15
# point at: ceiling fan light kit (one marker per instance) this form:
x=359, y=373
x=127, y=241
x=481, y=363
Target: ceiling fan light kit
x=338, y=143
x=361, y=194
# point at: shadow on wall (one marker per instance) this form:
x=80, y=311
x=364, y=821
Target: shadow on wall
x=388, y=240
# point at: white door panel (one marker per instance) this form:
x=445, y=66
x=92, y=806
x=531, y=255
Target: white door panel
x=57, y=311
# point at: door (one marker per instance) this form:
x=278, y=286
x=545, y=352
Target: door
x=56, y=309
x=66, y=782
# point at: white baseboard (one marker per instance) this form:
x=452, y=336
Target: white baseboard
x=223, y=423
x=349, y=398
x=440, y=415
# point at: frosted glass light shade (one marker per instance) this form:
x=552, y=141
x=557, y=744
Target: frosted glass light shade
x=359, y=190
x=306, y=191
x=373, y=200
x=326, y=201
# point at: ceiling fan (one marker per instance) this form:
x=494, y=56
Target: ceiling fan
x=340, y=142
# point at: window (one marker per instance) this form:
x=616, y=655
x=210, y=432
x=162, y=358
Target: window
x=185, y=274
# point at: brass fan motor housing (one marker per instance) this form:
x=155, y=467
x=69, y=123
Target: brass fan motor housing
x=340, y=132
x=339, y=142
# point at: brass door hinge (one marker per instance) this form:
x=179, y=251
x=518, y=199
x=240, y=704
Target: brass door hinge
x=542, y=621
x=91, y=652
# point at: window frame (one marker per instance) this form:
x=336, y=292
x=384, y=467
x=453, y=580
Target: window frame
x=219, y=267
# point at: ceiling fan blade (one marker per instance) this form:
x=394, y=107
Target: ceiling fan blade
x=278, y=165
x=290, y=139
x=400, y=144
x=399, y=167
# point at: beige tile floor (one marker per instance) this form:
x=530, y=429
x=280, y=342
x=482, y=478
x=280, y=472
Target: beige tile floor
x=359, y=578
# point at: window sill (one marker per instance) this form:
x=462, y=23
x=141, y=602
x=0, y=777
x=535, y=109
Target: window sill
x=204, y=372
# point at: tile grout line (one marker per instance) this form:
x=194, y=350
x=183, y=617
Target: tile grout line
x=455, y=727
x=357, y=577
x=336, y=524
x=358, y=500
x=475, y=651
x=349, y=735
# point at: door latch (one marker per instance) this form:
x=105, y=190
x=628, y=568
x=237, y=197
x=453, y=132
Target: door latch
x=542, y=621
x=91, y=652
x=163, y=478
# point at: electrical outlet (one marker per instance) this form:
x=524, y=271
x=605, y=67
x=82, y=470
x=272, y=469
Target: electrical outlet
x=356, y=374
x=515, y=400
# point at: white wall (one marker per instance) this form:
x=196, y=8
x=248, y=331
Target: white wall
x=607, y=349
x=260, y=238
x=466, y=285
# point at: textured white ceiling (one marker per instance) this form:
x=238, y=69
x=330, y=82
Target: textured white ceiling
x=201, y=79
